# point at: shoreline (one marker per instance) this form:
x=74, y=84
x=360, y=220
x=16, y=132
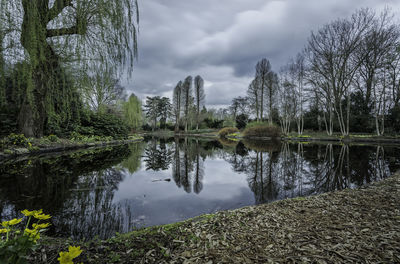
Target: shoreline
x=352, y=226
x=57, y=148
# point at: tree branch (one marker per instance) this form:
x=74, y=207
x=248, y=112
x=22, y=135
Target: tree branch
x=62, y=32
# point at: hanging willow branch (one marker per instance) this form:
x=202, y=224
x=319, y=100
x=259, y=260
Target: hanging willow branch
x=62, y=42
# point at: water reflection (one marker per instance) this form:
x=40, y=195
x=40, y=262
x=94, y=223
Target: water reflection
x=100, y=192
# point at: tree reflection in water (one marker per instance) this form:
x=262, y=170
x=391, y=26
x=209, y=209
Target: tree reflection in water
x=278, y=171
x=188, y=165
x=79, y=189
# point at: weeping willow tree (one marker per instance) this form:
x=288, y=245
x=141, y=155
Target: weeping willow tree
x=61, y=41
x=132, y=110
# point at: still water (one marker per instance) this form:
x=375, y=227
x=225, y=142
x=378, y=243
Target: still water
x=96, y=193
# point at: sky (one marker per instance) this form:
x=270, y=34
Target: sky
x=222, y=40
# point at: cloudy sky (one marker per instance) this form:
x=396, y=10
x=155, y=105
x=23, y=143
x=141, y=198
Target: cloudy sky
x=222, y=40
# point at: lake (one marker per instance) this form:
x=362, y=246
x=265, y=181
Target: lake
x=98, y=192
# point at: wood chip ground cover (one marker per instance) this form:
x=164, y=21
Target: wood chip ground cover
x=351, y=226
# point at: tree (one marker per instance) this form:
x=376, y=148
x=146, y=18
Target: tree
x=60, y=38
x=238, y=106
x=164, y=109
x=254, y=97
x=187, y=99
x=199, y=96
x=330, y=53
x=287, y=103
x=152, y=109
x=177, y=104
x=374, y=53
x=271, y=92
x=101, y=90
x=263, y=73
x=132, y=110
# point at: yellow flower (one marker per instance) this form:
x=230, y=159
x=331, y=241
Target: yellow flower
x=41, y=216
x=30, y=213
x=3, y=231
x=32, y=233
x=11, y=222
x=40, y=226
x=67, y=257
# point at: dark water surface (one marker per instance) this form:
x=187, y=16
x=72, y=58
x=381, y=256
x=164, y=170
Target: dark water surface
x=99, y=192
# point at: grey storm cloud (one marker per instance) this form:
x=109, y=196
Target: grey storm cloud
x=223, y=40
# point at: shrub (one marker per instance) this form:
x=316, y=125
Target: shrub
x=52, y=138
x=104, y=124
x=18, y=140
x=227, y=130
x=255, y=123
x=228, y=123
x=262, y=130
x=241, y=121
x=213, y=123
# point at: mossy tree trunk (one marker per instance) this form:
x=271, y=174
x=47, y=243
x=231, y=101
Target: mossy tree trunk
x=45, y=69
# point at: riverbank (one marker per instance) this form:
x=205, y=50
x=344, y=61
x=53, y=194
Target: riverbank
x=350, y=226
x=307, y=137
x=62, y=145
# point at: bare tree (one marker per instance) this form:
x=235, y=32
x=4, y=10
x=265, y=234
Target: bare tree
x=254, y=97
x=199, y=97
x=263, y=74
x=187, y=98
x=331, y=54
x=287, y=101
x=382, y=37
x=101, y=90
x=271, y=93
x=177, y=103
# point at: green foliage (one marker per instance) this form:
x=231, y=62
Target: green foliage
x=104, y=125
x=53, y=138
x=255, y=123
x=16, y=243
x=76, y=137
x=3, y=144
x=241, y=121
x=213, y=123
x=394, y=118
x=262, y=130
x=227, y=130
x=8, y=120
x=18, y=140
x=132, y=110
x=90, y=37
x=229, y=123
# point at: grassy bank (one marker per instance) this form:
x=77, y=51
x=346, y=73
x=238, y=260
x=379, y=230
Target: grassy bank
x=168, y=133
x=350, y=226
x=34, y=146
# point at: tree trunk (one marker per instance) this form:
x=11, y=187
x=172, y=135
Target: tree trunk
x=44, y=68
